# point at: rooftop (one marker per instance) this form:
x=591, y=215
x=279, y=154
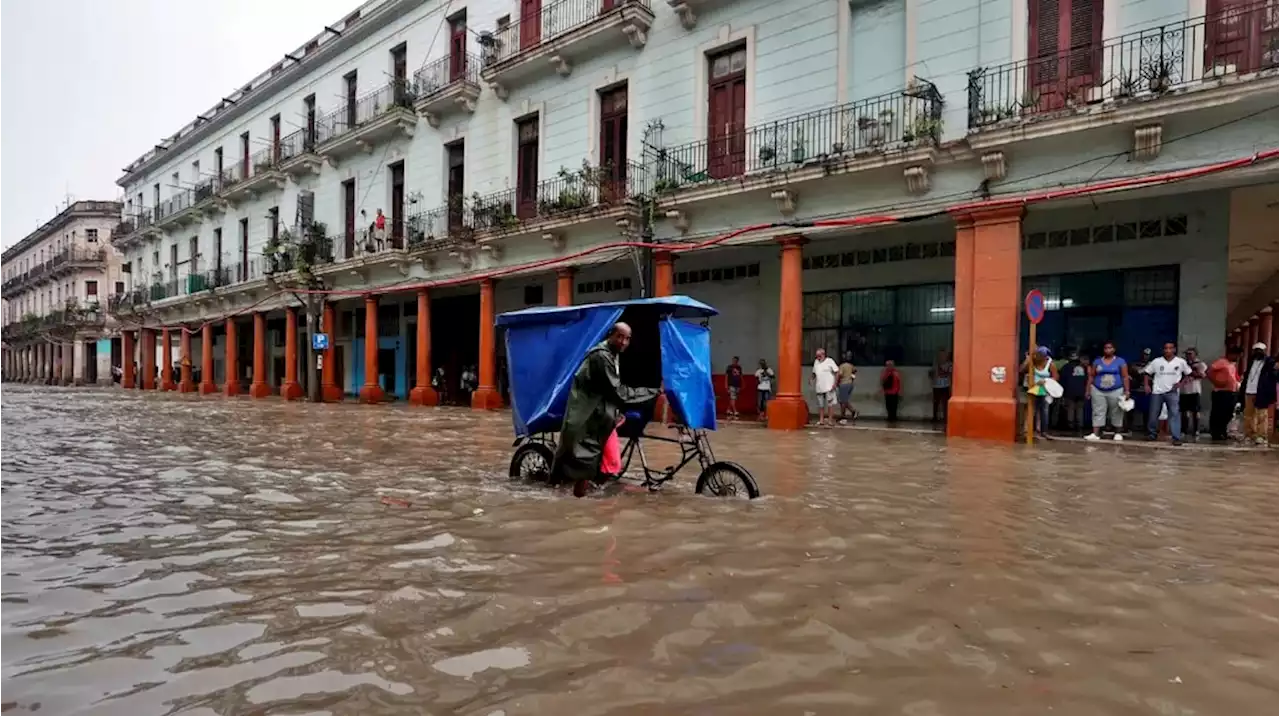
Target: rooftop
x=318, y=47
x=77, y=210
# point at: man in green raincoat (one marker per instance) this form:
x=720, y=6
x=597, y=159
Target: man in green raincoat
x=597, y=399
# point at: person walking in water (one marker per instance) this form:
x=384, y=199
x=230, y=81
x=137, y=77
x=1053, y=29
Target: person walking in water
x=1108, y=385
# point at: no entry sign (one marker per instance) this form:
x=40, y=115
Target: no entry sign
x=1035, y=306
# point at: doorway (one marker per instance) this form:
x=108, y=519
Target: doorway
x=455, y=340
x=457, y=158
x=727, y=114
x=349, y=217
x=397, y=205
x=90, y=367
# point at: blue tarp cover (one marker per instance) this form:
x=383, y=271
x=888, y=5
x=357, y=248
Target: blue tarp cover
x=686, y=372
x=545, y=346
x=678, y=306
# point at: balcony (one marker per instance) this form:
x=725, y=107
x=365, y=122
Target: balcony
x=560, y=33
x=1191, y=64
x=380, y=116
x=259, y=175
x=128, y=302
x=162, y=290
x=901, y=127
x=298, y=156
x=188, y=207
x=136, y=228
x=207, y=280
x=76, y=258
x=450, y=84
x=14, y=286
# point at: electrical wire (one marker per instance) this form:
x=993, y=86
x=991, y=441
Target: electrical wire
x=1010, y=201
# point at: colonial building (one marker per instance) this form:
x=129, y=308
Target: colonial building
x=57, y=281
x=424, y=164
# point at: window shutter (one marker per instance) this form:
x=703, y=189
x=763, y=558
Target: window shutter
x=1086, y=36
x=1044, y=40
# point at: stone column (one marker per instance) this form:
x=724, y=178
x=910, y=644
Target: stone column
x=985, y=334
x=166, y=360
x=423, y=393
x=329, y=390
x=69, y=363
x=663, y=273
x=371, y=392
x=207, y=383
x=486, y=396
x=291, y=389
x=128, y=378
x=186, y=382
x=258, y=388
x=232, y=360
x=788, y=409
x=564, y=287
x=148, y=362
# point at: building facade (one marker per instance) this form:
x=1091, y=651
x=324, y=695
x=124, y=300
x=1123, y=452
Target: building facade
x=57, y=283
x=879, y=177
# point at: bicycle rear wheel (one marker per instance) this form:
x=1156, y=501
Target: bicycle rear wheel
x=727, y=479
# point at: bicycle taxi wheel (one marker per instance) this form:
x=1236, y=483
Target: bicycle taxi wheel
x=532, y=461
x=727, y=479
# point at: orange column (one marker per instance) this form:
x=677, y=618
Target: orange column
x=988, y=284
x=127, y=353
x=788, y=410
x=292, y=389
x=148, y=361
x=258, y=388
x=663, y=273
x=423, y=393
x=1274, y=338
x=329, y=390
x=207, y=385
x=166, y=360
x=486, y=396
x=371, y=392
x=1265, y=324
x=185, y=382
x=564, y=287
x=1253, y=334
x=231, y=363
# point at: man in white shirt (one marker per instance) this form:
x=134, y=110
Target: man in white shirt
x=1161, y=377
x=823, y=380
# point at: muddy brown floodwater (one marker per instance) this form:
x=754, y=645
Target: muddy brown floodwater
x=166, y=554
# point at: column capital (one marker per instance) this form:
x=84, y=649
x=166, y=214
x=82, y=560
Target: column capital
x=792, y=240
x=663, y=256
x=984, y=215
x=1265, y=311
x=422, y=291
x=566, y=272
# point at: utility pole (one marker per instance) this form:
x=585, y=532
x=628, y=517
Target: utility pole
x=313, y=304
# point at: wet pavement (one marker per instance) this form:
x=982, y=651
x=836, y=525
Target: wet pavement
x=168, y=554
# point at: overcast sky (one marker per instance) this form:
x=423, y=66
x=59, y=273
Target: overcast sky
x=87, y=86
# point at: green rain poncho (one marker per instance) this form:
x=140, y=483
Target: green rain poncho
x=597, y=399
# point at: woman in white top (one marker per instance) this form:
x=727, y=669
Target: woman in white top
x=764, y=388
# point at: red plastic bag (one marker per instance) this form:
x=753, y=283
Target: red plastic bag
x=611, y=460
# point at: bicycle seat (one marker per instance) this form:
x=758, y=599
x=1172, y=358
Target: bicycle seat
x=633, y=415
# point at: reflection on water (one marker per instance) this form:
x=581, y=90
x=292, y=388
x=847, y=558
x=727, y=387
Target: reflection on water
x=170, y=554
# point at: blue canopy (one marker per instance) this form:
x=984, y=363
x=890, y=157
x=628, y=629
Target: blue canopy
x=678, y=306
x=546, y=345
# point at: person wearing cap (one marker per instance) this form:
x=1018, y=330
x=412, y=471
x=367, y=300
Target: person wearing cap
x=1161, y=378
x=1041, y=368
x=1258, y=393
x=1224, y=376
x=1108, y=385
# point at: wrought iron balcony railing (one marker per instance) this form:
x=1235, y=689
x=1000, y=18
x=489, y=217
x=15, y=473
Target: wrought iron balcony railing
x=876, y=124
x=446, y=71
x=1147, y=63
x=297, y=143
x=549, y=22
x=397, y=93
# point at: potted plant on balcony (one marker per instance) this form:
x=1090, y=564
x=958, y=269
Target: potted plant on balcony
x=799, y=148
x=1158, y=73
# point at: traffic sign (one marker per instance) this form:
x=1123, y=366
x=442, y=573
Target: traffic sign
x=1035, y=306
x=320, y=341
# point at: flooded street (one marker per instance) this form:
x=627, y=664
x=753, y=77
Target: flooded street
x=168, y=554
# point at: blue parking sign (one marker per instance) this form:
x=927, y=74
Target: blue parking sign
x=320, y=341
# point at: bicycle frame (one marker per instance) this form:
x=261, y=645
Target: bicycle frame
x=693, y=444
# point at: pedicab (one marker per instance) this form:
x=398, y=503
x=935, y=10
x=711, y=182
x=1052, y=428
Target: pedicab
x=670, y=349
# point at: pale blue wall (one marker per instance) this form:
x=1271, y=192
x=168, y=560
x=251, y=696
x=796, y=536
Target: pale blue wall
x=877, y=49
